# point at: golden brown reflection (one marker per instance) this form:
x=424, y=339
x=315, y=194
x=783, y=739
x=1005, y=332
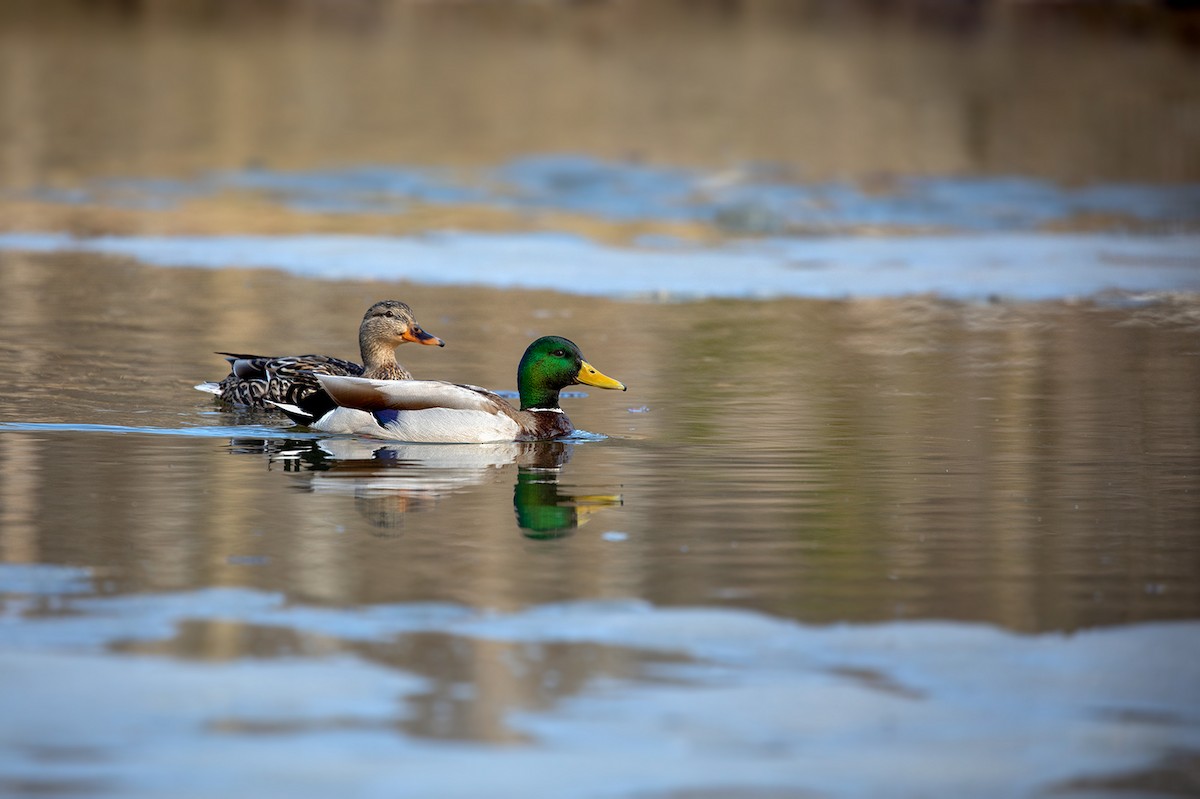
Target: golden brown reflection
x=1072, y=92
x=1035, y=465
x=233, y=214
x=474, y=688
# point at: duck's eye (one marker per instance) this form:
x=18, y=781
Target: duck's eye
x=559, y=354
x=390, y=314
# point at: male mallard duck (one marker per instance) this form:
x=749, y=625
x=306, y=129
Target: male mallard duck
x=261, y=381
x=438, y=412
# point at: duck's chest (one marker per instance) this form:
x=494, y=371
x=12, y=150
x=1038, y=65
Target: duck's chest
x=540, y=425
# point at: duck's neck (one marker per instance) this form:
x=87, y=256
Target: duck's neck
x=379, y=361
x=538, y=397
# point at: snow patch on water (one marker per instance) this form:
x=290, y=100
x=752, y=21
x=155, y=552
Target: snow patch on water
x=755, y=703
x=1021, y=266
x=35, y=579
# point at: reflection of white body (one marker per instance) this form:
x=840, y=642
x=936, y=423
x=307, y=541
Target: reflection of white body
x=432, y=469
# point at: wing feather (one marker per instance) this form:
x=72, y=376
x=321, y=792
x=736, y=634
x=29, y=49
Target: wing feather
x=409, y=395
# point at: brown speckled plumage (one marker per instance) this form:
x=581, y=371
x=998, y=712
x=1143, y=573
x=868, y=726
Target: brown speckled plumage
x=254, y=380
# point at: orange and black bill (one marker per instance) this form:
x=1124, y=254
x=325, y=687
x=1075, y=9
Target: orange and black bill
x=417, y=335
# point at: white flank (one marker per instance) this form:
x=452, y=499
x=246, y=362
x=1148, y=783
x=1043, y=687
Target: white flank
x=347, y=421
x=446, y=426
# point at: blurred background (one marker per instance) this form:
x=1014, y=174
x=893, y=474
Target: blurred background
x=621, y=121
x=1073, y=92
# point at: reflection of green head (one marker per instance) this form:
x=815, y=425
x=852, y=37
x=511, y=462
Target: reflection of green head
x=549, y=365
x=536, y=502
x=544, y=512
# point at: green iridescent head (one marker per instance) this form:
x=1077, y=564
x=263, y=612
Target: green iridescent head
x=549, y=365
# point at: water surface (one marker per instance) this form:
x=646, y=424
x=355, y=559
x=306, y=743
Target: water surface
x=1002, y=493
x=1030, y=465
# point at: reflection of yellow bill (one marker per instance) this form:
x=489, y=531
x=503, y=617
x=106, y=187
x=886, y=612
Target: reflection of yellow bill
x=586, y=505
x=591, y=376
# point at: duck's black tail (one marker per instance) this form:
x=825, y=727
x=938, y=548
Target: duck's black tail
x=297, y=415
x=308, y=409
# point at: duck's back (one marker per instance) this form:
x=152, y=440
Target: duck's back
x=256, y=379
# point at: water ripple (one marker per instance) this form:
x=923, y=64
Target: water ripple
x=256, y=431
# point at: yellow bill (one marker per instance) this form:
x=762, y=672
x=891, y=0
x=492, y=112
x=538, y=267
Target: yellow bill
x=591, y=376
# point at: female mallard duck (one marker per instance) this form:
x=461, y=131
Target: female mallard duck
x=261, y=381
x=437, y=412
